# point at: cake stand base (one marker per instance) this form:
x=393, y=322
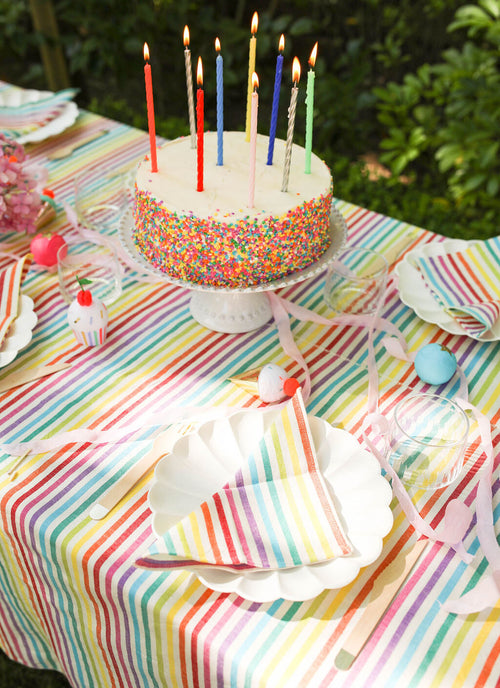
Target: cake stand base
x=230, y=312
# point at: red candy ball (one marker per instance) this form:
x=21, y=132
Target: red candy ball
x=290, y=386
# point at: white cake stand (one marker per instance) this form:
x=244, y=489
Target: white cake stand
x=234, y=310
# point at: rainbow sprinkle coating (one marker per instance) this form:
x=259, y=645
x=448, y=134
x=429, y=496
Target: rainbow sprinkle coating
x=231, y=254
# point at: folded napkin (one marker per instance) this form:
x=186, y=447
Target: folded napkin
x=467, y=284
x=27, y=117
x=11, y=279
x=275, y=513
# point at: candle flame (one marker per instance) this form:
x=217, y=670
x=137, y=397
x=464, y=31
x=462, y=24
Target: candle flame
x=296, y=70
x=217, y=45
x=186, y=35
x=255, y=81
x=281, y=46
x=255, y=23
x=199, y=73
x=146, y=52
x=314, y=52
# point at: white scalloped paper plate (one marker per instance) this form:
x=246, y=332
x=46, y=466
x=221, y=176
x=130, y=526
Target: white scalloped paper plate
x=415, y=293
x=14, y=97
x=201, y=463
x=20, y=332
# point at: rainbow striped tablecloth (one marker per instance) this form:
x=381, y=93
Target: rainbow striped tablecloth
x=70, y=596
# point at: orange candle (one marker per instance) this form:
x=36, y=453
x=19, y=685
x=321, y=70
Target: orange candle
x=200, y=107
x=151, y=109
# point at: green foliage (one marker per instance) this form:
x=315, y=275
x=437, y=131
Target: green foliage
x=444, y=117
x=389, y=76
x=424, y=205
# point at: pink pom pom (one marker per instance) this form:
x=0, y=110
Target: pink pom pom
x=290, y=386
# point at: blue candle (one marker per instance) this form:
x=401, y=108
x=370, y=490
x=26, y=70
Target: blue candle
x=276, y=100
x=220, y=103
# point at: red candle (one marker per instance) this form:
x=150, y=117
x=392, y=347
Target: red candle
x=151, y=109
x=200, y=106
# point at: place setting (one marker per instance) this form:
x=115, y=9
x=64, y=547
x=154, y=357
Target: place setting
x=454, y=284
x=300, y=511
x=29, y=115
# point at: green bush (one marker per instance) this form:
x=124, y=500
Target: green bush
x=444, y=117
x=436, y=99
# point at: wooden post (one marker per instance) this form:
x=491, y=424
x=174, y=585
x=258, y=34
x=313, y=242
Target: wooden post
x=44, y=20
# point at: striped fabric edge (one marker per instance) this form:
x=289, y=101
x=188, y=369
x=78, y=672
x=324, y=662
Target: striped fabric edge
x=11, y=279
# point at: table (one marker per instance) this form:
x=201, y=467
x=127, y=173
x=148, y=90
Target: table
x=71, y=598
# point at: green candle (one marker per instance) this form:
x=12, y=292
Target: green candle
x=310, y=109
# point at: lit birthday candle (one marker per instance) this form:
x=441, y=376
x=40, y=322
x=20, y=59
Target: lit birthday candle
x=310, y=108
x=253, y=138
x=200, y=107
x=151, y=110
x=251, y=69
x=291, y=123
x=220, y=103
x=189, y=86
x=276, y=100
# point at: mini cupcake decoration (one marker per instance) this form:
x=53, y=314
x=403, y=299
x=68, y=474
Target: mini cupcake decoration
x=88, y=316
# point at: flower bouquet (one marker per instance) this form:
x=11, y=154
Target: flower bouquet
x=21, y=184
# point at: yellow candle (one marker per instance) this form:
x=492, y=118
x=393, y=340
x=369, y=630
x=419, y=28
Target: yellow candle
x=251, y=69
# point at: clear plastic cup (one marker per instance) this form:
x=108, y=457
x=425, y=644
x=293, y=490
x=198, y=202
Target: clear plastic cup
x=355, y=281
x=428, y=438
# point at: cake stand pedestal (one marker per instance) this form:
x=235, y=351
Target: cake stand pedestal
x=230, y=312
x=244, y=309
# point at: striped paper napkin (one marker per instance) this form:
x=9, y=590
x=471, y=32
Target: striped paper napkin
x=275, y=513
x=467, y=284
x=27, y=117
x=11, y=279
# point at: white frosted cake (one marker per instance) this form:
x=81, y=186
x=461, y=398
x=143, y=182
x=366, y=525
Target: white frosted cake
x=212, y=237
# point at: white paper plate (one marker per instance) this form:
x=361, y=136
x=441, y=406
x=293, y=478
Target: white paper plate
x=203, y=462
x=415, y=293
x=20, y=332
x=14, y=97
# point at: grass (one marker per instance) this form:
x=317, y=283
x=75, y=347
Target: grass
x=14, y=675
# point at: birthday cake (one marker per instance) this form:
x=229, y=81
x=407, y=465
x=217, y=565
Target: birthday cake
x=212, y=237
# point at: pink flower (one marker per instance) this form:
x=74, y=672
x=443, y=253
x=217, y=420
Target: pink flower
x=19, y=192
